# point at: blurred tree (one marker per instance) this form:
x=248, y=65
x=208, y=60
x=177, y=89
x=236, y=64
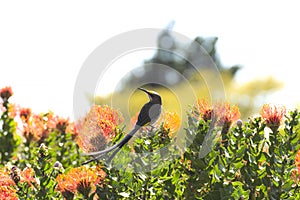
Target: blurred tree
x=178, y=58
x=173, y=64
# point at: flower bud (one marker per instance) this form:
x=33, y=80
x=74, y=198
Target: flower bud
x=43, y=151
x=58, y=166
x=239, y=123
x=5, y=93
x=15, y=174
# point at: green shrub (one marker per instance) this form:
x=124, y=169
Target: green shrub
x=220, y=158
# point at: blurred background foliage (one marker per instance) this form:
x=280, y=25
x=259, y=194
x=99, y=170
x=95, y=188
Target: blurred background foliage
x=173, y=83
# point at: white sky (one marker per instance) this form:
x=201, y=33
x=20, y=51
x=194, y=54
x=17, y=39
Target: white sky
x=44, y=43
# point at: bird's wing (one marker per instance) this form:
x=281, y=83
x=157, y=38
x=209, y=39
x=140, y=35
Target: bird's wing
x=144, y=117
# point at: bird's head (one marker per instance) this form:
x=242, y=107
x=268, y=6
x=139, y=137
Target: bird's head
x=153, y=96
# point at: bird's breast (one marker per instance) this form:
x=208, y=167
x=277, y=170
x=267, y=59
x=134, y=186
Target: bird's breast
x=154, y=112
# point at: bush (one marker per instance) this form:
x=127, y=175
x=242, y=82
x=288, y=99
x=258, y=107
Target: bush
x=222, y=157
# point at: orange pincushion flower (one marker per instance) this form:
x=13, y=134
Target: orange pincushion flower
x=25, y=114
x=8, y=193
x=65, y=183
x=5, y=179
x=108, y=120
x=81, y=179
x=50, y=120
x=203, y=108
x=90, y=136
x=227, y=114
x=34, y=128
x=222, y=113
x=7, y=190
x=5, y=93
x=27, y=175
x=171, y=123
x=295, y=173
x=62, y=124
x=71, y=128
x=297, y=162
x=97, y=128
x=272, y=115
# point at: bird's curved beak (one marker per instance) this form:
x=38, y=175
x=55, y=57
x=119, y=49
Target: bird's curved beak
x=144, y=90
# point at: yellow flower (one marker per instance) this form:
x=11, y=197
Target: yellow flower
x=171, y=123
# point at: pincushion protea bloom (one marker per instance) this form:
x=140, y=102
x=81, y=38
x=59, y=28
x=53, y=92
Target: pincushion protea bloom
x=8, y=193
x=97, y=128
x=223, y=114
x=297, y=162
x=226, y=115
x=108, y=120
x=66, y=186
x=171, y=123
x=81, y=180
x=295, y=173
x=27, y=176
x=36, y=127
x=202, y=108
x=272, y=115
x=25, y=114
x=62, y=125
x=7, y=190
x=5, y=93
x=5, y=179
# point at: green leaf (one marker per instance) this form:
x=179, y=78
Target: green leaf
x=239, y=164
x=262, y=158
x=176, y=177
x=240, y=152
x=237, y=184
x=124, y=194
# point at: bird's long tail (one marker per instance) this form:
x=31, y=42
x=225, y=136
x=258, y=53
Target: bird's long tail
x=99, y=154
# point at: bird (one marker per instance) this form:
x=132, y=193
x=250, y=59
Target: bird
x=148, y=115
